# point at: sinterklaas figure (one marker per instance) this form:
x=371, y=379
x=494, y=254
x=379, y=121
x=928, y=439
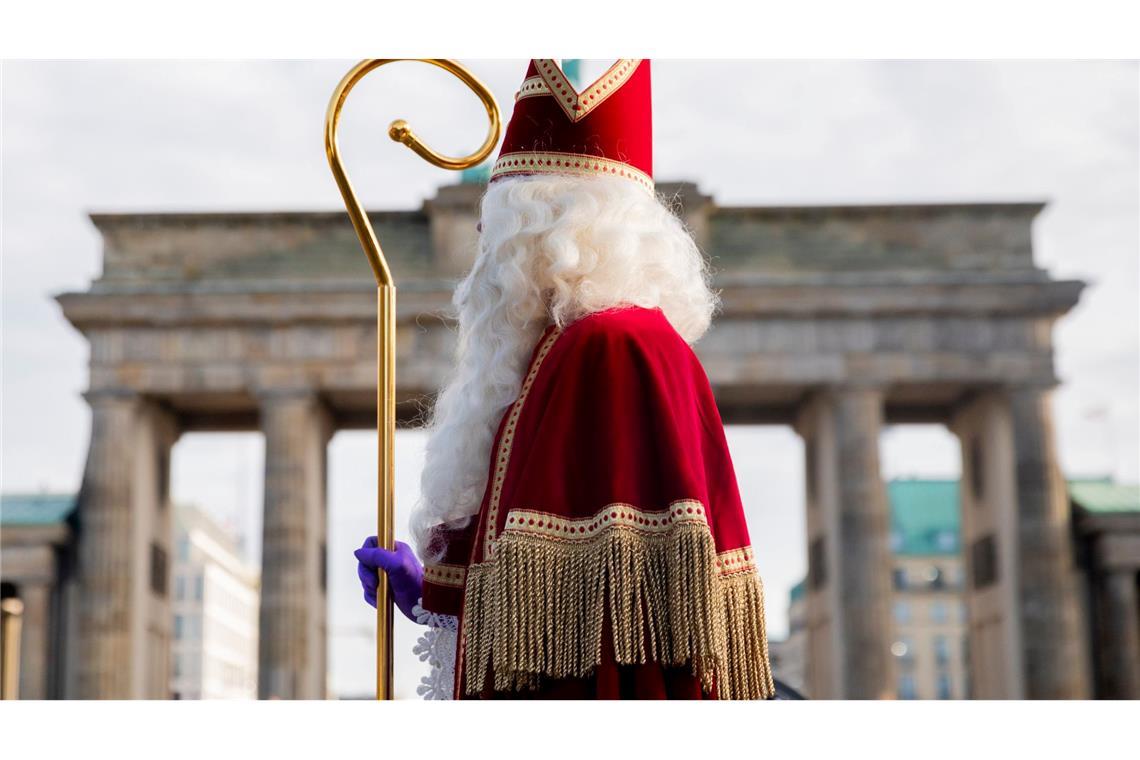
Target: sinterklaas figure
x=580, y=526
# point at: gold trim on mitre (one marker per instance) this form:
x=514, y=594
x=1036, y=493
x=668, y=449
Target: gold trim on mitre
x=574, y=164
x=578, y=105
x=532, y=87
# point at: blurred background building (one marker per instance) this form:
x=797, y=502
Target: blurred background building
x=931, y=642
x=928, y=583
x=214, y=652
x=837, y=321
x=213, y=621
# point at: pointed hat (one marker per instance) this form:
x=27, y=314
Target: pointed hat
x=603, y=129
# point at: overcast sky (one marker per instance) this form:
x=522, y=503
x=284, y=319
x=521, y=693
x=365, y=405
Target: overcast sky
x=151, y=136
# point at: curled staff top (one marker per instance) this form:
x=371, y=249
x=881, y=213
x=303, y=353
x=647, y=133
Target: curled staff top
x=399, y=131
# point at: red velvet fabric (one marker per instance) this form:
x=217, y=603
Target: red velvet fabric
x=620, y=411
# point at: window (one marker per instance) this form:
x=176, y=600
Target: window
x=810, y=469
x=941, y=650
x=183, y=549
x=180, y=587
x=817, y=564
x=983, y=562
x=898, y=579
x=944, y=686
x=179, y=627
x=938, y=612
x=946, y=540
x=977, y=473
x=935, y=577
x=907, y=688
x=158, y=577
x=162, y=469
x=902, y=612
x=198, y=588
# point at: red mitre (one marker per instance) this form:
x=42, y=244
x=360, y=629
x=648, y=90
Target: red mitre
x=604, y=129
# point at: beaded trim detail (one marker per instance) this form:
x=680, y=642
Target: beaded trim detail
x=532, y=87
x=453, y=576
x=576, y=164
x=629, y=517
x=578, y=105
x=503, y=455
x=616, y=515
x=734, y=561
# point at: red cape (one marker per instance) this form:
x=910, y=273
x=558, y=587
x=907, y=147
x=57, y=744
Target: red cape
x=610, y=556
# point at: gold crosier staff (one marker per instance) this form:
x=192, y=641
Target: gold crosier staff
x=386, y=308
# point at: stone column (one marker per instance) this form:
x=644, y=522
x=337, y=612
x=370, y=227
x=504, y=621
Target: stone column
x=988, y=506
x=849, y=547
x=1120, y=639
x=865, y=557
x=291, y=658
x=28, y=563
x=124, y=550
x=1054, y=654
x=35, y=641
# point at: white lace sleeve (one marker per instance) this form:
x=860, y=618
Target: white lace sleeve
x=437, y=647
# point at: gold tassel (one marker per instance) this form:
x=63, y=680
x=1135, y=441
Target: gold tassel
x=535, y=610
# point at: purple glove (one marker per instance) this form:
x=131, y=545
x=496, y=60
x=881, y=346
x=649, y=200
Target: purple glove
x=404, y=571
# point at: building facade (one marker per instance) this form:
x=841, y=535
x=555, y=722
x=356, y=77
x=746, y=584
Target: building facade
x=215, y=603
x=930, y=620
x=928, y=606
x=213, y=612
x=1107, y=517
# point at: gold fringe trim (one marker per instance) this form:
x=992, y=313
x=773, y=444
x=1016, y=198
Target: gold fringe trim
x=536, y=609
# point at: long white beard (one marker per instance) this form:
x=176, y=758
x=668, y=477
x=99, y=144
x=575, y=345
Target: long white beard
x=553, y=249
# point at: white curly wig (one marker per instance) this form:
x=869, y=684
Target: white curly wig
x=551, y=249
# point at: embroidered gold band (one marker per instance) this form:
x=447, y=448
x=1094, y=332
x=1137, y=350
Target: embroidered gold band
x=735, y=561
x=453, y=576
x=568, y=163
x=613, y=515
x=503, y=455
x=532, y=87
x=628, y=517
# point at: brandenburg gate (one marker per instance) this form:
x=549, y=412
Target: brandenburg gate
x=835, y=320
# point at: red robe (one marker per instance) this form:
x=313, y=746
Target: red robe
x=610, y=558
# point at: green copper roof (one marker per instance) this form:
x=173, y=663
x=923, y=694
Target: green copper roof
x=924, y=517
x=572, y=68
x=35, y=508
x=476, y=175
x=1102, y=496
